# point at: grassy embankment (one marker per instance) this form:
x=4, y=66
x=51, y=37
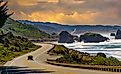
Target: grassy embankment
x=12, y=46
x=76, y=57
x=24, y=30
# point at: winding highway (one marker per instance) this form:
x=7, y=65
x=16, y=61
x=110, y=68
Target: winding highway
x=21, y=65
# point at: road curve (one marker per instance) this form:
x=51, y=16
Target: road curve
x=38, y=63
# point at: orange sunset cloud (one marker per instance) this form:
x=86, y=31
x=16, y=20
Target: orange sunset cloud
x=67, y=11
x=86, y=17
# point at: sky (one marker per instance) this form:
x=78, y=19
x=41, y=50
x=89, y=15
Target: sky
x=67, y=11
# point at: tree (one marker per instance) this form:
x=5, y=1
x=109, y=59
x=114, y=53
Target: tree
x=101, y=55
x=111, y=61
x=3, y=13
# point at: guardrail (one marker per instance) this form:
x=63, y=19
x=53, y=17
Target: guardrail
x=90, y=67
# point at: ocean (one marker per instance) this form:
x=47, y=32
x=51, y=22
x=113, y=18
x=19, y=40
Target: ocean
x=110, y=48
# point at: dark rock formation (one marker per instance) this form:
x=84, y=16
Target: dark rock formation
x=93, y=37
x=118, y=34
x=65, y=37
x=75, y=37
x=112, y=34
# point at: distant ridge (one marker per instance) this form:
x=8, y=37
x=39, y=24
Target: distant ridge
x=25, y=30
x=29, y=21
x=55, y=27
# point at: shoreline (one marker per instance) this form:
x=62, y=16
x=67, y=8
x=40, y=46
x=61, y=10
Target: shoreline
x=112, y=48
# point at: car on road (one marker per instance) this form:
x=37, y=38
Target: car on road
x=30, y=57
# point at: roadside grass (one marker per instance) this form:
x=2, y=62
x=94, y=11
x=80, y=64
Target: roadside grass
x=75, y=57
x=7, y=55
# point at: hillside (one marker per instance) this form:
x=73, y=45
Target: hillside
x=55, y=27
x=12, y=46
x=49, y=27
x=25, y=30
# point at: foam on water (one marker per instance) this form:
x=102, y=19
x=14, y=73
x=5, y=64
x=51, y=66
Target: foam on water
x=110, y=48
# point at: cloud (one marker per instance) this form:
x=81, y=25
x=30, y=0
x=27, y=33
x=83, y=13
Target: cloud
x=22, y=2
x=27, y=2
x=83, y=18
x=86, y=17
x=68, y=11
x=71, y=1
x=48, y=1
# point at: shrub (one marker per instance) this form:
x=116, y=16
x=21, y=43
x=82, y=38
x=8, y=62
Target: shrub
x=101, y=55
x=111, y=61
x=98, y=61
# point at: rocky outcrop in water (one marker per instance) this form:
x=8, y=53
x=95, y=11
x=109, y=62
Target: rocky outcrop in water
x=112, y=34
x=76, y=38
x=65, y=37
x=93, y=37
x=118, y=34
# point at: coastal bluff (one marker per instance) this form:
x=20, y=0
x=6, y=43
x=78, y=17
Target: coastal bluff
x=118, y=34
x=65, y=37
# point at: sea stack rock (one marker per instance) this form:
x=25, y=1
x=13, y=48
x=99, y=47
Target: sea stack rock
x=118, y=34
x=65, y=37
x=93, y=38
x=112, y=34
x=76, y=38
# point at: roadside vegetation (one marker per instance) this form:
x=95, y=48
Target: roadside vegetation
x=12, y=46
x=26, y=30
x=76, y=57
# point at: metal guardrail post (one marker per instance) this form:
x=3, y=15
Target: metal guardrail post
x=114, y=70
x=104, y=69
x=119, y=70
x=111, y=69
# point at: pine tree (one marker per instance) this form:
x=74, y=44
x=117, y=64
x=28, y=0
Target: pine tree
x=3, y=13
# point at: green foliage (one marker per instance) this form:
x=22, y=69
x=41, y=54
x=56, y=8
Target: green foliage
x=3, y=13
x=98, y=61
x=59, y=49
x=12, y=46
x=76, y=57
x=26, y=30
x=111, y=61
x=101, y=55
x=86, y=59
